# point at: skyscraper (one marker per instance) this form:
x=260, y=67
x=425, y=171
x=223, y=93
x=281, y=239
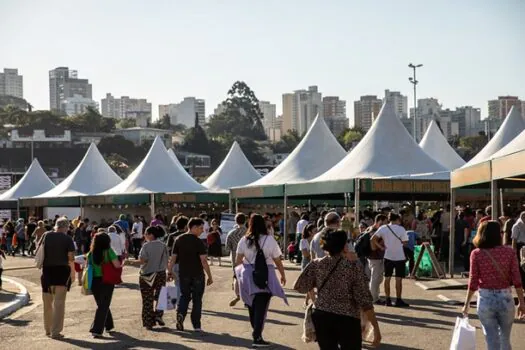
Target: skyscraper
x=11, y=83
x=64, y=84
x=184, y=112
x=126, y=107
x=501, y=107
x=334, y=111
x=399, y=101
x=301, y=108
x=366, y=110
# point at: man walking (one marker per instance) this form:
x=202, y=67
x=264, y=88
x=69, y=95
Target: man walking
x=375, y=259
x=232, y=240
x=518, y=239
x=20, y=231
x=394, y=237
x=332, y=221
x=58, y=273
x=190, y=253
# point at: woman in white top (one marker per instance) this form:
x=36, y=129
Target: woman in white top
x=309, y=232
x=301, y=224
x=256, y=238
x=116, y=242
x=137, y=236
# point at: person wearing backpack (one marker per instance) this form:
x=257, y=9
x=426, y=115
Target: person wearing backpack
x=258, y=255
x=375, y=259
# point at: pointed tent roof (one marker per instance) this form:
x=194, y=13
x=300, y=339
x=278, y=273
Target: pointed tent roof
x=516, y=145
x=157, y=173
x=235, y=170
x=317, y=152
x=511, y=127
x=436, y=146
x=34, y=182
x=93, y=175
x=386, y=150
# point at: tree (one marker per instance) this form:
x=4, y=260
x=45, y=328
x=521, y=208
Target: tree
x=196, y=140
x=91, y=121
x=163, y=122
x=126, y=123
x=350, y=137
x=251, y=150
x=288, y=142
x=241, y=117
x=472, y=144
x=118, y=164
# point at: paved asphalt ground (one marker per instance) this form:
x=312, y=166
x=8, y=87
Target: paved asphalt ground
x=427, y=324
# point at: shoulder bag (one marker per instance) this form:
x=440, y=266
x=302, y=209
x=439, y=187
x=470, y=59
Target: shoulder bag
x=497, y=266
x=150, y=277
x=402, y=244
x=308, y=325
x=39, y=254
x=111, y=274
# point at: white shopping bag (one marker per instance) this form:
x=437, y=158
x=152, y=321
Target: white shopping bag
x=464, y=337
x=168, y=298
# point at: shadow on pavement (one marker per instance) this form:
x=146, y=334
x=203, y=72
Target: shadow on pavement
x=14, y=323
x=123, y=341
x=245, y=318
x=389, y=347
x=133, y=286
x=223, y=339
x=413, y=321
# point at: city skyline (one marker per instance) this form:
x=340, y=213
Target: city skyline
x=193, y=60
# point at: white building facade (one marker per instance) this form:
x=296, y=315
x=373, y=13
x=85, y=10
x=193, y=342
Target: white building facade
x=77, y=105
x=399, y=101
x=126, y=107
x=184, y=112
x=11, y=83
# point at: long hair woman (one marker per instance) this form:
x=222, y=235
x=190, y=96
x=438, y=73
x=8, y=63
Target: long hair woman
x=154, y=261
x=99, y=254
x=256, y=239
x=342, y=292
x=493, y=270
x=304, y=246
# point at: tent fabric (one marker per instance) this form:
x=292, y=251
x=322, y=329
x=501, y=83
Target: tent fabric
x=157, y=173
x=515, y=146
x=511, y=127
x=386, y=150
x=34, y=182
x=93, y=175
x=436, y=146
x=235, y=170
x=317, y=152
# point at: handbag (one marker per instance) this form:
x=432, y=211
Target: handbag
x=111, y=274
x=87, y=279
x=308, y=324
x=39, y=254
x=464, y=336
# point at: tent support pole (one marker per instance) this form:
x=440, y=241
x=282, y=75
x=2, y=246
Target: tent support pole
x=309, y=205
x=152, y=205
x=452, y=233
x=81, y=202
x=285, y=223
x=501, y=203
x=237, y=205
x=230, y=203
x=494, y=198
x=357, y=199
x=18, y=208
x=346, y=200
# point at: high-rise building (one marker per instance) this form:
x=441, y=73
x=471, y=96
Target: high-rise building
x=334, y=107
x=305, y=106
x=184, y=112
x=269, y=111
x=337, y=124
x=366, y=110
x=11, y=83
x=501, y=107
x=64, y=84
x=77, y=105
x=126, y=107
x=399, y=101
x=426, y=106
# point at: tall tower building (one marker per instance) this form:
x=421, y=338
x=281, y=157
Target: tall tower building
x=501, y=107
x=300, y=109
x=399, y=101
x=366, y=110
x=11, y=83
x=287, y=115
x=184, y=112
x=64, y=84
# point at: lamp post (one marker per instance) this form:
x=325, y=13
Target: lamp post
x=414, y=82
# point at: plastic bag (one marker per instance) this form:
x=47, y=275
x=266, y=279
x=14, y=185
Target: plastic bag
x=308, y=326
x=168, y=298
x=464, y=336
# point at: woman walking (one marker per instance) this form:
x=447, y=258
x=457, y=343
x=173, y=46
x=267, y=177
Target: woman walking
x=493, y=270
x=154, y=260
x=342, y=292
x=308, y=233
x=214, y=242
x=258, y=299
x=99, y=254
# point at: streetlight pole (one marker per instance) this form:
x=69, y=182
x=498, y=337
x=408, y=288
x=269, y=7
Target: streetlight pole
x=414, y=82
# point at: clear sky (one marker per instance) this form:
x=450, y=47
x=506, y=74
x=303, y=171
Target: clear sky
x=472, y=50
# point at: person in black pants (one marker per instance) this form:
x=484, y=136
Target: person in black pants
x=99, y=254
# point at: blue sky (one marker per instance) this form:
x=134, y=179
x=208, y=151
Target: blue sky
x=472, y=51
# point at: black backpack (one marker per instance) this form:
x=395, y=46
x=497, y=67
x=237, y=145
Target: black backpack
x=363, y=247
x=260, y=269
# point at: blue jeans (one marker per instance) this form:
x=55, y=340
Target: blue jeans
x=496, y=313
x=191, y=288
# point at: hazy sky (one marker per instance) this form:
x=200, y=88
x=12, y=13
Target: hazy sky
x=472, y=50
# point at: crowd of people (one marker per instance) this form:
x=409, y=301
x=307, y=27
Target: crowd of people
x=342, y=269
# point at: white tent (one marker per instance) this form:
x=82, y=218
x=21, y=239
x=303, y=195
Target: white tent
x=317, y=152
x=436, y=146
x=157, y=173
x=511, y=127
x=235, y=170
x=515, y=146
x=34, y=182
x=386, y=150
x=93, y=175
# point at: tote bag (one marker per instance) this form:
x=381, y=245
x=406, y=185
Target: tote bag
x=168, y=298
x=464, y=336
